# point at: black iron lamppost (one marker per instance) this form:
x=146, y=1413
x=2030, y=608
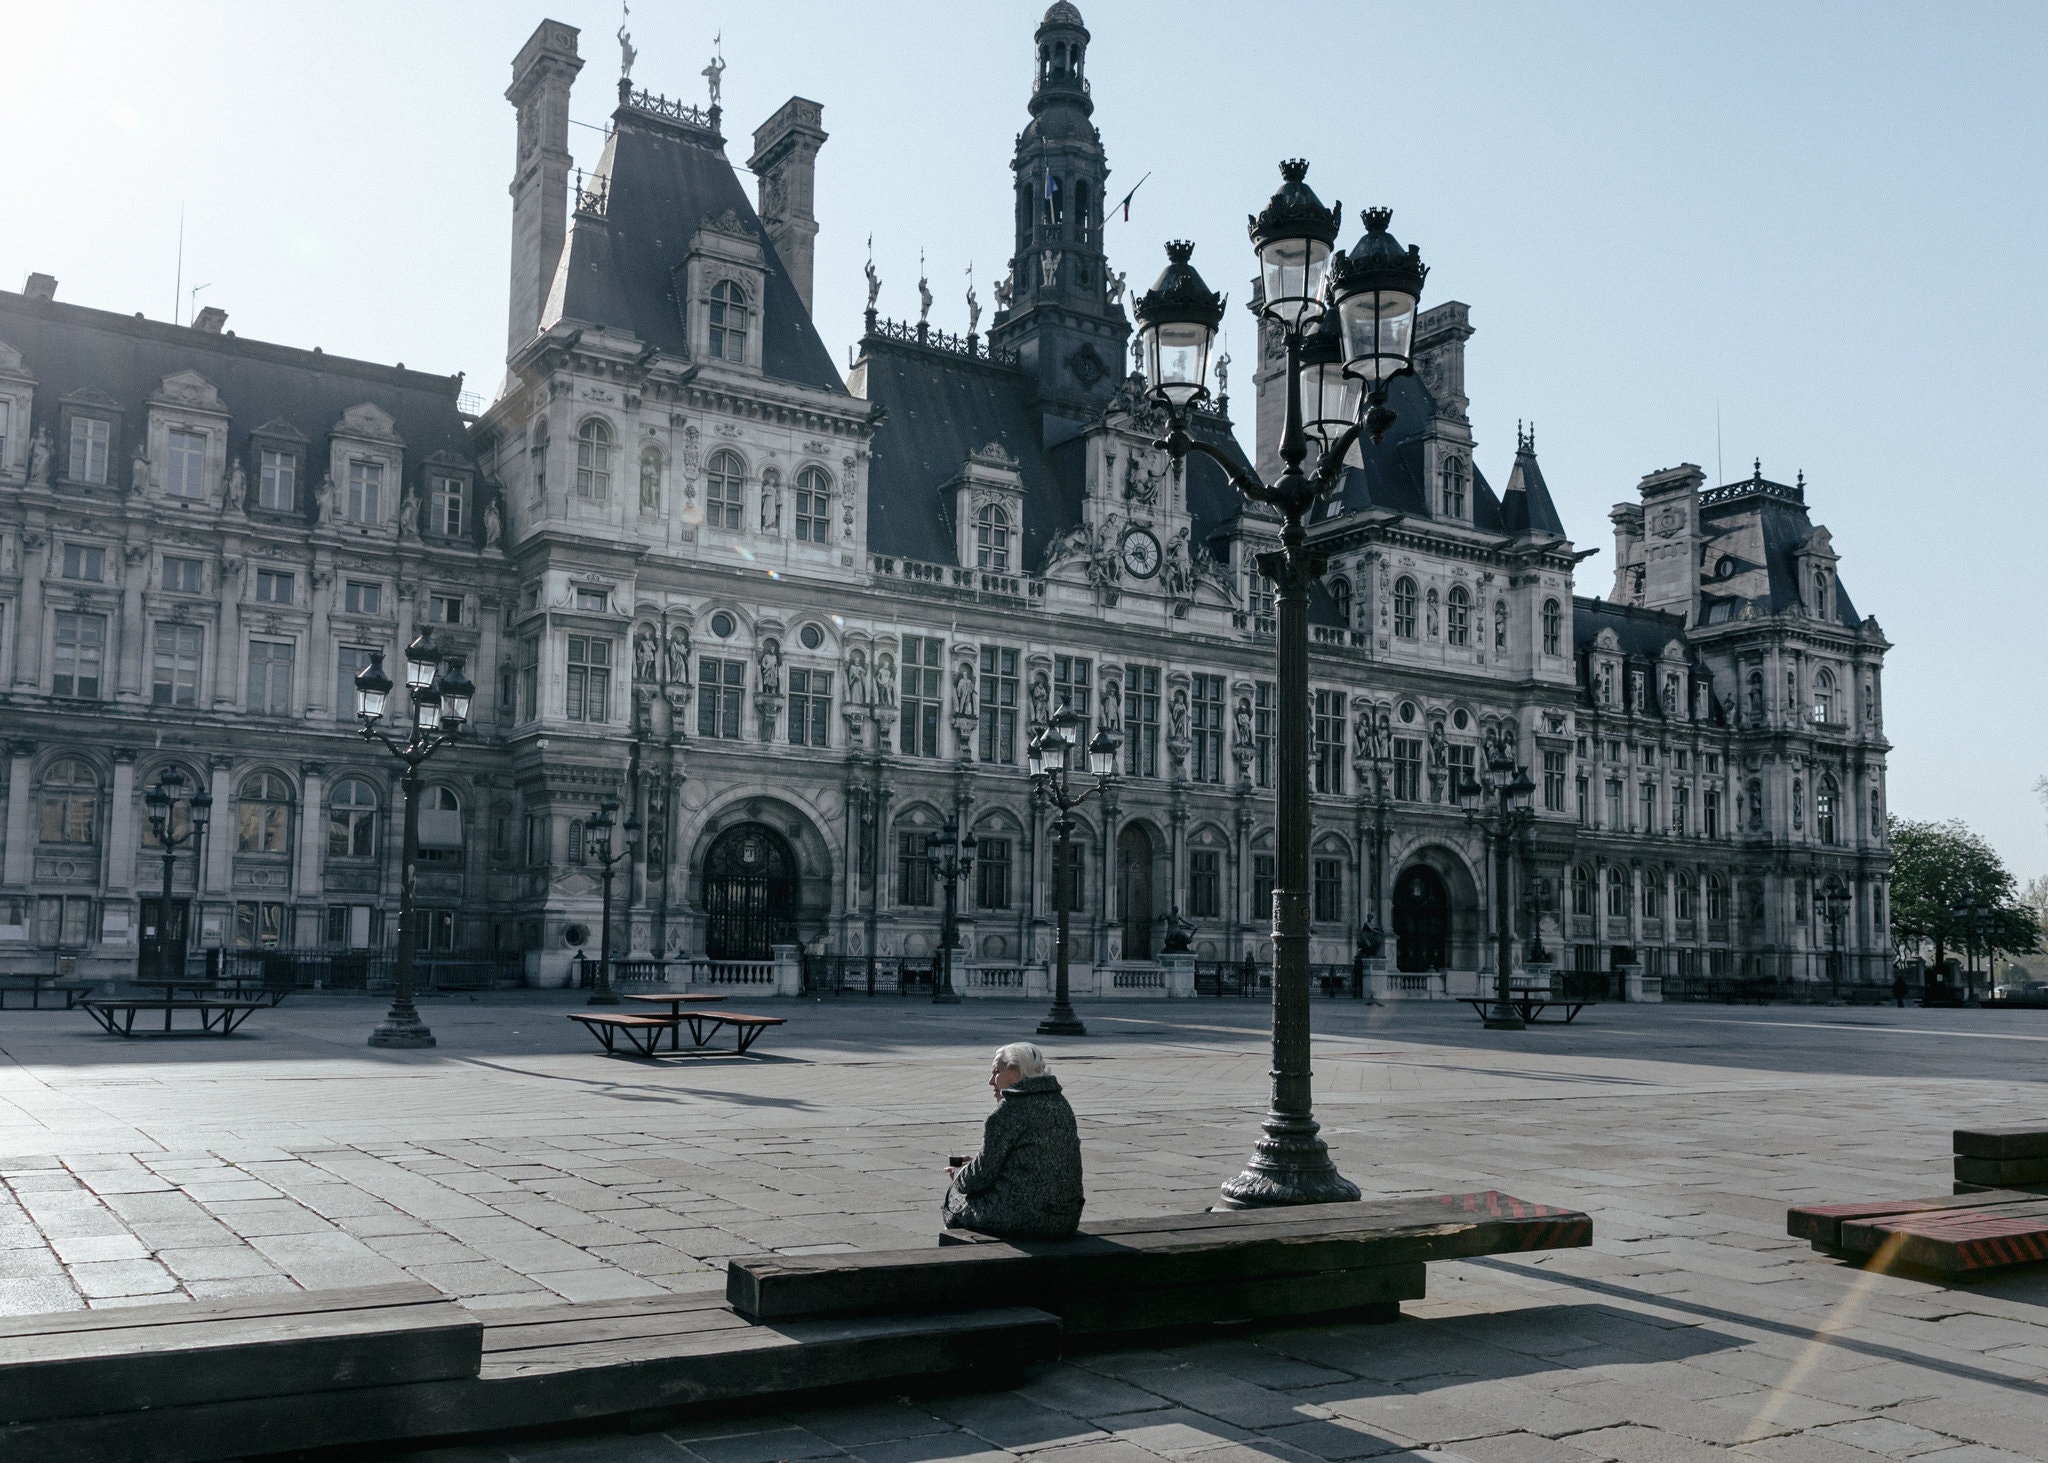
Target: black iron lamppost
x=1834, y=908
x=1052, y=764
x=597, y=844
x=1511, y=787
x=162, y=803
x=1976, y=918
x=952, y=859
x=1373, y=292
x=440, y=705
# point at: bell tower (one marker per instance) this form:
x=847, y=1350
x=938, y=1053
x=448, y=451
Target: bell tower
x=1057, y=312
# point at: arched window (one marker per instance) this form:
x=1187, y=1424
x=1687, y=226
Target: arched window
x=1617, y=893
x=263, y=814
x=352, y=820
x=1825, y=799
x=728, y=322
x=725, y=491
x=1756, y=696
x=1604, y=678
x=1500, y=627
x=1082, y=224
x=1404, y=607
x=1582, y=891
x=577, y=853
x=1340, y=597
x=1823, y=696
x=594, y=461
x=1450, y=478
x=992, y=537
x=1820, y=591
x=71, y=802
x=813, y=505
x=1458, y=617
x=1682, y=900
x=1553, y=627
x=1653, y=894
x=650, y=479
x=1717, y=900
x=440, y=826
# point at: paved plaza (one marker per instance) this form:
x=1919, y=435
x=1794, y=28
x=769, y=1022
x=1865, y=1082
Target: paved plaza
x=515, y=1165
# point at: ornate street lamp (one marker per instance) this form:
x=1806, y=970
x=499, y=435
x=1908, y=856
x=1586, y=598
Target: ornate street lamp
x=1834, y=908
x=952, y=858
x=440, y=699
x=161, y=801
x=597, y=845
x=1375, y=289
x=1511, y=788
x=1052, y=764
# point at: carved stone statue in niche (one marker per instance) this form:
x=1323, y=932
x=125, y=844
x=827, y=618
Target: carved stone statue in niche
x=323, y=498
x=494, y=525
x=39, y=458
x=138, y=472
x=646, y=654
x=1177, y=715
x=237, y=488
x=1041, y=698
x=885, y=680
x=965, y=702
x=1178, y=573
x=1439, y=750
x=1112, y=706
x=769, y=664
x=678, y=655
x=856, y=677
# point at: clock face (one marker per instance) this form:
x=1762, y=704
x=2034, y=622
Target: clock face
x=1140, y=553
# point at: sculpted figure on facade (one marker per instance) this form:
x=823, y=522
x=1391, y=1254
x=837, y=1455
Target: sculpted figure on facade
x=408, y=512
x=1041, y=698
x=965, y=702
x=237, y=494
x=323, y=498
x=1177, y=715
x=973, y=309
x=494, y=525
x=874, y=283
x=1176, y=570
x=1112, y=705
x=885, y=680
x=39, y=458
x=646, y=654
x=678, y=655
x=856, y=677
x=769, y=664
x=138, y=472
x=1003, y=293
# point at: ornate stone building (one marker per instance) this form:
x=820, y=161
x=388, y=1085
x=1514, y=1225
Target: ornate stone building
x=797, y=621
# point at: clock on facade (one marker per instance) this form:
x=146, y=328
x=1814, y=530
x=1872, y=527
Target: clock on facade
x=1140, y=551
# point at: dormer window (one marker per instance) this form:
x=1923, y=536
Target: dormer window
x=1451, y=487
x=1458, y=617
x=1404, y=607
x=91, y=440
x=1820, y=591
x=1340, y=598
x=277, y=481
x=365, y=491
x=728, y=322
x=184, y=464
x=813, y=505
x=992, y=538
x=445, y=505
x=594, y=462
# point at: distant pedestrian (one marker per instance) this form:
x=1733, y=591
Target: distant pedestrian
x=1026, y=1181
x=1899, y=988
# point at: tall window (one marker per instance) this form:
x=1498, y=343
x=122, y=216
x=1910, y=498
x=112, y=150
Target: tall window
x=1205, y=722
x=277, y=481
x=992, y=873
x=728, y=321
x=1451, y=483
x=650, y=479
x=720, y=685
x=1265, y=717
x=1582, y=891
x=71, y=803
x=1683, y=905
x=365, y=492
x=1646, y=798
x=810, y=708
x=1069, y=876
x=594, y=461
x=348, y=659
x=1340, y=600
x=1710, y=812
x=1408, y=769
x=1614, y=805
x=1328, y=732
x=998, y=705
x=1617, y=893
x=1071, y=688
x=813, y=506
x=1404, y=607
x=1258, y=589
x=184, y=576
x=923, y=693
x=1327, y=890
x=1205, y=883
x=1653, y=894
x=1458, y=617
x=352, y=819
x=1262, y=888
x=1717, y=900
x=184, y=464
x=1553, y=627
x=82, y=561
x=913, y=870
x=1553, y=782
x=259, y=924
x=529, y=678
x=174, y=675
x=589, y=679
x=273, y=587
x=725, y=491
x=440, y=826
x=1141, y=720
x=1825, y=800
x=1823, y=697
x=1463, y=766
x=90, y=440
x=65, y=920
x=992, y=537
x=1585, y=801
x=263, y=814
x=270, y=677
x=6, y=420
x=445, y=507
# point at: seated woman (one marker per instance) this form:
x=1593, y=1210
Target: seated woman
x=1026, y=1181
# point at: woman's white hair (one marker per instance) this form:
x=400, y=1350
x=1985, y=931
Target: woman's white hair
x=1026, y=1058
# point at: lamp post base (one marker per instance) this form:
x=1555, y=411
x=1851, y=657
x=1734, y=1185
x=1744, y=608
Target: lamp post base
x=605, y=997
x=402, y=1031
x=1290, y=1165
x=1061, y=1021
x=1504, y=1017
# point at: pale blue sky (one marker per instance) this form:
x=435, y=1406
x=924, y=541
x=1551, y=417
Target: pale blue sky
x=1824, y=220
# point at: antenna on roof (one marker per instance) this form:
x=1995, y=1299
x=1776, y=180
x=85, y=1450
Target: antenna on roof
x=1720, y=473
x=192, y=300
x=178, y=289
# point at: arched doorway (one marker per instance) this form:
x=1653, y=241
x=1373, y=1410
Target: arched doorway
x=1422, y=919
x=1134, y=889
x=750, y=894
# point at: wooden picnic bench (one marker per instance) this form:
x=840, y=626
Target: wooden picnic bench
x=236, y=990
x=643, y=1033
x=1530, y=1007
x=216, y=1017
x=1125, y=1278
x=35, y=983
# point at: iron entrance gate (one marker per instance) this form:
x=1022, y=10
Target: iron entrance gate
x=750, y=894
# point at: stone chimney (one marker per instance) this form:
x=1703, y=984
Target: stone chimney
x=785, y=164
x=541, y=76
x=209, y=320
x=41, y=287
x=1440, y=336
x=1671, y=540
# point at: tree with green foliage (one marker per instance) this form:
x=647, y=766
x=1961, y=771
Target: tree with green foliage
x=1935, y=867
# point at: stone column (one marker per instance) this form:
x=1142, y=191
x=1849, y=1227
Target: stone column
x=1109, y=938
x=220, y=834
x=130, y=637
x=309, y=878
x=121, y=829
x=14, y=871
x=28, y=630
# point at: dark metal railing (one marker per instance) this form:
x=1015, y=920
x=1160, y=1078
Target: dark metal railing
x=864, y=975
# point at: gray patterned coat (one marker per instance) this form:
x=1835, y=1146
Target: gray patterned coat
x=1026, y=1181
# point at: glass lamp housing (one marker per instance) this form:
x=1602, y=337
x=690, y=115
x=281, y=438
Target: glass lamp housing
x=1522, y=789
x=202, y=811
x=1177, y=320
x=1035, y=757
x=457, y=690
x=1292, y=236
x=426, y=709
x=372, y=687
x=1178, y=353
x=422, y=659
x=1065, y=726
x=1102, y=750
x=1377, y=288
x=633, y=830
x=1329, y=394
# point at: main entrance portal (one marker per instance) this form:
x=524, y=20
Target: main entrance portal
x=750, y=894
x=1422, y=920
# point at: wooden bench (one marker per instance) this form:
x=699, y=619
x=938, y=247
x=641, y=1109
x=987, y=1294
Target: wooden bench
x=33, y=985
x=1530, y=1007
x=2000, y=1158
x=1130, y=1277
x=642, y=1033
x=746, y=1029
x=217, y=1017
x=201, y=989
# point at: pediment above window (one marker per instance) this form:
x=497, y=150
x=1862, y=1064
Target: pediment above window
x=368, y=420
x=190, y=389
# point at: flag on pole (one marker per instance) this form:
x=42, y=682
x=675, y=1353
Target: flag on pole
x=1125, y=206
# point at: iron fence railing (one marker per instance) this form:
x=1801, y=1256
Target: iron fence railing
x=365, y=970
x=870, y=975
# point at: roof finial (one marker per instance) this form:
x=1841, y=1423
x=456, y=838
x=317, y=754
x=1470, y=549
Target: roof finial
x=1532, y=434
x=1520, y=440
x=627, y=55
x=1758, y=475
x=716, y=69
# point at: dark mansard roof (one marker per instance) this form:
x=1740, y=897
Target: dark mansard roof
x=1641, y=635
x=662, y=180
x=1781, y=517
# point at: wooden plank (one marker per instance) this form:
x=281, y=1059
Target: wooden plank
x=184, y=1313
x=2024, y=1141
x=2005, y=1172
x=1134, y=1311
x=1822, y=1223
x=505, y=1322
x=1958, y=1243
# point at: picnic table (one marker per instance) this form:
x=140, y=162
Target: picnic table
x=39, y=981
x=240, y=990
x=643, y=1032
x=1530, y=1005
x=217, y=1017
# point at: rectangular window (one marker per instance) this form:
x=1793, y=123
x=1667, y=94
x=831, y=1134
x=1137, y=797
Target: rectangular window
x=1265, y=713
x=349, y=925
x=348, y=659
x=1205, y=883
x=595, y=601
x=258, y=925
x=80, y=647
x=1070, y=688
x=174, y=676
x=720, y=686
x=1141, y=720
x=90, y=441
x=1205, y=726
x=65, y=921
x=184, y=464
x=1713, y=761
x=810, y=708
x=1258, y=589
x=6, y=418
x=529, y=679
x=83, y=562
x=992, y=873
x=445, y=507
x=1710, y=813
x=1553, y=782
x=1328, y=890
x=273, y=587
x=923, y=674
x=1614, y=804
x=270, y=677
x=813, y=512
x=277, y=481
x=1262, y=889
x=1681, y=808
x=1585, y=805
x=1463, y=769
x=184, y=576
x=998, y=705
x=1646, y=804
x=1328, y=741
x=1069, y=876
x=365, y=492
x=444, y=609
x=590, y=679
x=361, y=598
x=913, y=871
x=1649, y=755
x=1408, y=769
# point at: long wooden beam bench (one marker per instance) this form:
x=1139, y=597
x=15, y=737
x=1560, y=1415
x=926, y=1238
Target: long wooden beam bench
x=1130, y=1277
x=2001, y=1158
x=218, y=1016
x=1997, y=1217
x=642, y=1033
